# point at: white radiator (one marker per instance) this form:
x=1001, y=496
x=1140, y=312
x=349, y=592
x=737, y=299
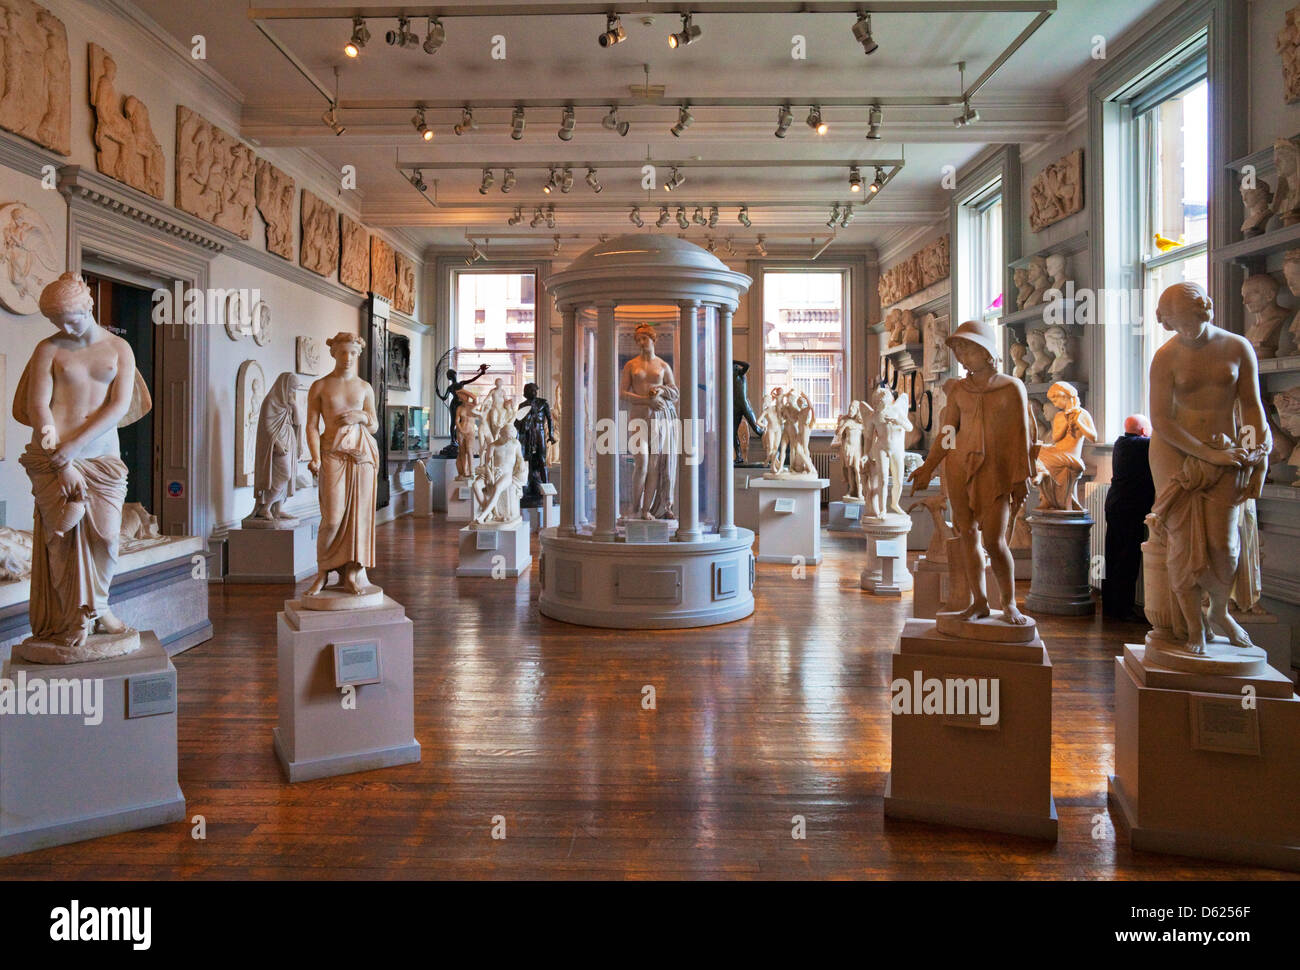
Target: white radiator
x=1094, y=500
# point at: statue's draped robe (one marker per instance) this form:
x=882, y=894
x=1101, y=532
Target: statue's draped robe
x=992, y=455
x=276, y=468
x=348, y=470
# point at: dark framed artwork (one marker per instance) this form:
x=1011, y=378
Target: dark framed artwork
x=399, y=362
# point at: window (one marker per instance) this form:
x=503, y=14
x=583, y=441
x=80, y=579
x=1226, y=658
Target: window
x=804, y=342
x=987, y=270
x=494, y=325
x=1173, y=192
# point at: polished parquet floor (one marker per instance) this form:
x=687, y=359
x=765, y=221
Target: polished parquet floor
x=783, y=714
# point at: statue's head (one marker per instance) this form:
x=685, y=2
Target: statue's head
x=1037, y=339
x=1056, y=265
x=1291, y=270
x=345, y=347
x=882, y=396
x=1064, y=395
x=1017, y=352
x=1259, y=291
x=645, y=334
x=1055, y=338
x=530, y=391
x=68, y=304
x=451, y=374
x=1184, y=307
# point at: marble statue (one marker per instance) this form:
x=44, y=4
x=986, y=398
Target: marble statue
x=1288, y=45
x=354, y=255
x=125, y=146
x=250, y=385
x=795, y=418
x=553, y=446
x=341, y=428
x=848, y=442
x=27, y=258
x=319, y=248
x=934, y=334
x=1286, y=198
x=1057, y=191
x=1040, y=358
x=1019, y=366
x=987, y=466
x=1287, y=404
x=937, y=506
x=276, y=467
x=1062, y=347
x=1038, y=281
x=214, y=174
x=1259, y=294
x=404, y=291
x=36, y=100
x=78, y=388
x=1209, y=449
x=383, y=268
x=909, y=332
x=1024, y=289
x=273, y=191
x=1291, y=274
x=1257, y=200
x=1060, y=460
x=15, y=554
x=886, y=425
x=742, y=411
x=499, y=479
x=496, y=410
x=773, y=431
x=648, y=389
x=1054, y=265
x=891, y=325
x=451, y=397
x=536, y=432
x=465, y=431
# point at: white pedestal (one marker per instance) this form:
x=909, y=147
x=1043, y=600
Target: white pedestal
x=1268, y=632
x=324, y=729
x=845, y=517
x=885, y=573
x=1060, y=583
x=1197, y=772
x=272, y=555
x=495, y=550
x=746, y=499
x=459, y=499
x=63, y=780
x=948, y=768
x=790, y=519
x=542, y=517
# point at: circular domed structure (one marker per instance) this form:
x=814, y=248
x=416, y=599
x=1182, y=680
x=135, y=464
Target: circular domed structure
x=647, y=536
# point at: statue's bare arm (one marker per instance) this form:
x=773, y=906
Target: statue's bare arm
x=313, y=428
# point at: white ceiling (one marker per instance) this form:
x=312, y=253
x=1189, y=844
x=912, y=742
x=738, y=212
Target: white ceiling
x=738, y=56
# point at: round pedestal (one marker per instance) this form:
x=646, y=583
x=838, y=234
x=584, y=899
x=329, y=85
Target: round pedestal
x=1061, y=547
x=338, y=598
x=1220, y=657
x=647, y=585
x=97, y=646
x=892, y=528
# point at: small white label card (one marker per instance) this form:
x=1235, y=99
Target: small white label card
x=889, y=549
x=1223, y=724
x=852, y=510
x=356, y=663
x=783, y=506
x=150, y=694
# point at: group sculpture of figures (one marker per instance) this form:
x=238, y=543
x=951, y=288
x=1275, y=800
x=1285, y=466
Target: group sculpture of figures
x=870, y=439
x=787, y=419
x=1060, y=461
x=986, y=454
x=650, y=393
x=1209, y=450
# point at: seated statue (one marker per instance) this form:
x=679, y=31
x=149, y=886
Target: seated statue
x=1060, y=461
x=500, y=479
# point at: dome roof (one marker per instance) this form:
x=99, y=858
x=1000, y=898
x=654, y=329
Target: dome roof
x=641, y=249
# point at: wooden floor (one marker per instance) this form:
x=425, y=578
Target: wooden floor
x=783, y=714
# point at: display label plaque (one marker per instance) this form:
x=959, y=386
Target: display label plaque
x=548, y=488
x=487, y=539
x=1223, y=724
x=151, y=694
x=852, y=511
x=462, y=492
x=356, y=663
x=889, y=549
x=783, y=506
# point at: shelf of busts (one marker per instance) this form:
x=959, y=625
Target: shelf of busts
x=935, y=296
x=1257, y=249
x=1067, y=247
x=1279, y=365
x=1038, y=313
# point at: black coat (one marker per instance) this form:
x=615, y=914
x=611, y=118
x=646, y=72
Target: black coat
x=1132, y=492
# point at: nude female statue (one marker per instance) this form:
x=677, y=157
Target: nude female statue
x=1209, y=455
x=773, y=431
x=648, y=389
x=886, y=424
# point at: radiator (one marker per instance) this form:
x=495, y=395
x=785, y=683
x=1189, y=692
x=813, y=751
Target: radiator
x=822, y=462
x=1094, y=500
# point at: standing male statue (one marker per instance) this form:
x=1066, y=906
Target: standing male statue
x=536, y=431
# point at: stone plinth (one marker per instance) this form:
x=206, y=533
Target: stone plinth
x=1060, y=582
x=495, y=549
x=272, y=555
x=885, y=573
x=790, y=519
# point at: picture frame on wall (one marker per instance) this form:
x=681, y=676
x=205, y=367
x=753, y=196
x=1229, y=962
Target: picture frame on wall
x=396, y=429
x=399, y=362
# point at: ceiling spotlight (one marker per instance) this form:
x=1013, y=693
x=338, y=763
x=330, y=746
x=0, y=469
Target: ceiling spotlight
x=567, y=124
x=330, y=117
x=743, y=216
x=508, y=180
x=855, y=179
x=436, y=35
x=517, y=124
x=417, y=179
x=518, y=217
x=713, y=216
x=675, y=179
x=681, y=217
x=862, y=33
x=688, y=34
x=551, y=183
x=698, y=217
x=848, y=216
x=815, y=121
x=359, y=38
x=418, y=122
x=550, y=217
x=611, y=122
x=759, y=247
x=614, y=32
x=475, y=254
x=487, y=182
x=634, y=217
x=877, y=183
x=538, y=218
x=874, y=120
x=835, y=215
x=684, y=121
x=731, y=246
x=968, y=116
x=592, y=182
x=402, y=36
x=784, y=118
x=566, y=180
x=467, y=122
x=664, y=217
